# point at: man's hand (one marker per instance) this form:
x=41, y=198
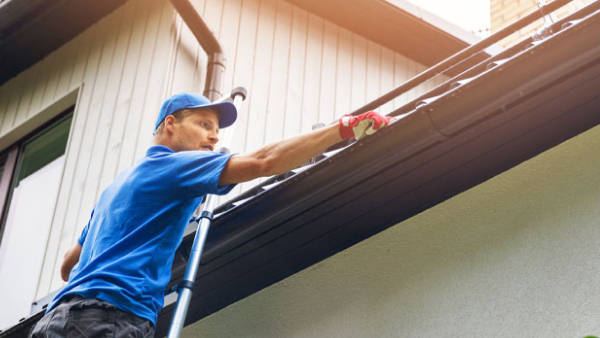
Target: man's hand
x=361, y=125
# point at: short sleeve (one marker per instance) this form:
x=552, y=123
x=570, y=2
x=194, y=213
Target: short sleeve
x=85, y=231
x=198, y=173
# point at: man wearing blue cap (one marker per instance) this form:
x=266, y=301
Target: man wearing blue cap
x=122, y=261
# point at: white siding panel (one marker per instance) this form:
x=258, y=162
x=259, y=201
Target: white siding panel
x=387, y=77
x=157, y=67
x=26, y=96
x=373, y=71
x=143, y=83
x=12, y=104
x=80, y=59
x=261, y=74
x=185, y=57
x=119, y=93
x=298, y=69
x=133, y=96
x=295, y=81
x=41, y=82
x=5, y=92
x=69, y=51
x=328, y=73
x=278, y=83
x=312, y=72
x=54, y=75
x=244, y=71
x=199, y=71
x=401, y=75
x=344, y=76
x=359, y=72
x=413, y=70
x=258, y=93
x=229, y=36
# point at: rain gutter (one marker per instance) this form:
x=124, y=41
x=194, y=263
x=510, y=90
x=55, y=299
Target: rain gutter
x=215, y=68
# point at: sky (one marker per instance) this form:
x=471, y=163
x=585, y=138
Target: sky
x=471, y=15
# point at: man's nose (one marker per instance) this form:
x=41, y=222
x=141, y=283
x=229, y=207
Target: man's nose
x=213, y=137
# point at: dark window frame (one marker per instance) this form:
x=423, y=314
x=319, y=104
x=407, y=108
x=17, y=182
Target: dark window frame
x=11, y=159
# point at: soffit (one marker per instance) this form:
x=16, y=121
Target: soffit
x=30, y=30
x=395, y=24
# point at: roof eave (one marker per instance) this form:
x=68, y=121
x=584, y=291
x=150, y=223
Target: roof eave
x=30, y=30
x=397, y=25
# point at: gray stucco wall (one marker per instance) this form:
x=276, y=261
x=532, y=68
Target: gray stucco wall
x=516, y=256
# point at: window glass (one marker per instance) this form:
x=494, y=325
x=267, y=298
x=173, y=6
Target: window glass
x=44, y=148
x=29, y=215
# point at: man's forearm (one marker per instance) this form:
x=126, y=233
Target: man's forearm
x=279, y=157
x=288, y=154
x=285, y=155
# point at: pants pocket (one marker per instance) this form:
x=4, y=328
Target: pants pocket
x=91, y=319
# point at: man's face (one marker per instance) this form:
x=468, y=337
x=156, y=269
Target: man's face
x=196, y=131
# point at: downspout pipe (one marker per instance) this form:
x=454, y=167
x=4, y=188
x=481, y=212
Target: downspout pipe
x=216, y=58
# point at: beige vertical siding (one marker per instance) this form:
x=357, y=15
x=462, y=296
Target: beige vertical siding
x=298, y=68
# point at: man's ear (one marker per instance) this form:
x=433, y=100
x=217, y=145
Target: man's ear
x=169, y=121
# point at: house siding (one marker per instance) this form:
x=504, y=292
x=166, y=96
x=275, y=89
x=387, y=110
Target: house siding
x=298, y=68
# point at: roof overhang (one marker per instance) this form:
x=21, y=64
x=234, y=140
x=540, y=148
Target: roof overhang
x=395, y=24
x=30, y=30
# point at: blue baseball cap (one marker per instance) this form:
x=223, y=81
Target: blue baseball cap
x=227, y=111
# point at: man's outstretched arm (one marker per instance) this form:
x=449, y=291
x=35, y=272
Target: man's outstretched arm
x=282, y=156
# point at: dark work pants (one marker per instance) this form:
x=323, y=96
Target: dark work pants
x=80, y=317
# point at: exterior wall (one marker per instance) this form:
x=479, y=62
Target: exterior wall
x=298, y=69
x=516, y=256
x=506, y=12
x=117, y=66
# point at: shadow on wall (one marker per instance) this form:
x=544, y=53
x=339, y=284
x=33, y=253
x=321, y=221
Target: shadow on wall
x=513, y=255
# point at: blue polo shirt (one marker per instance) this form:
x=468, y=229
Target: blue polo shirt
x=137, y=224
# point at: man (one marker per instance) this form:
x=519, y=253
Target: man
x=122, y=261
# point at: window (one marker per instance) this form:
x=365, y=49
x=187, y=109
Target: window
x=30, y=179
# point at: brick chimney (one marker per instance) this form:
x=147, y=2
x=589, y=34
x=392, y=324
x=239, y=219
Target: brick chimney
x=505, y=12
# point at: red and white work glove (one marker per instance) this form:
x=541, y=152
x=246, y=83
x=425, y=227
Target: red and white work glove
x=362, y=125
